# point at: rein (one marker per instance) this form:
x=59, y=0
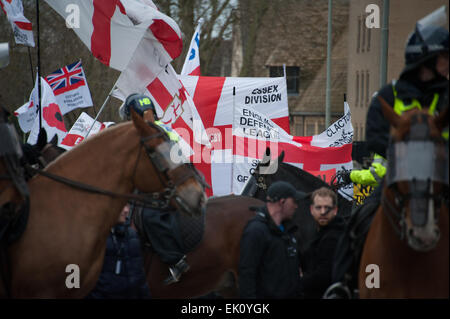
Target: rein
x=93, y=189
x=157, y=200
x=396, y=219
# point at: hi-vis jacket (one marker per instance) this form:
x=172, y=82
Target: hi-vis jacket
x=171, y=133
x=404, y=96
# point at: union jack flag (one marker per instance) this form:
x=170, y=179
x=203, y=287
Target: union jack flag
x=67, y=78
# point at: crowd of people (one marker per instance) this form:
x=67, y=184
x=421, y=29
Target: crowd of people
x=270, y=264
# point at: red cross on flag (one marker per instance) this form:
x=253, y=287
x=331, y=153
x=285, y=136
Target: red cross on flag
x=114, y=30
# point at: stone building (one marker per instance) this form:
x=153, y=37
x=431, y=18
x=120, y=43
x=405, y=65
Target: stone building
x=296, y=35
x=364, y=50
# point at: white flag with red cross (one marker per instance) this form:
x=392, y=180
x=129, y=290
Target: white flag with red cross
x=113, y=30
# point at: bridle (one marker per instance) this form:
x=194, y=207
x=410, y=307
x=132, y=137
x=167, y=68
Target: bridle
x=173, y=177
x=421, y=195
x=157, y=200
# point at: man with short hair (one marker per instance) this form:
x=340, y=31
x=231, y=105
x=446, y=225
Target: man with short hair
x=316, y=261
x=269, y=264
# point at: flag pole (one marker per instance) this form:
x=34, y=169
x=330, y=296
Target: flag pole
x=100, y=111
x=31, y=67
x=232, y=141
x=38, y=65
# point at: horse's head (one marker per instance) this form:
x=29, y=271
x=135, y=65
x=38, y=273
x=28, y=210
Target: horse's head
x=417, y=175
x=262, y=176
x=182, y=184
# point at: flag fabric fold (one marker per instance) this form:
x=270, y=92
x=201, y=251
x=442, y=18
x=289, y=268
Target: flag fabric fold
x=22, y=28
x=52, y=118
x=113, y=30
x=27, y=113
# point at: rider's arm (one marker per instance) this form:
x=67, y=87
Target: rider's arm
x=377, y=127
x=371, y=176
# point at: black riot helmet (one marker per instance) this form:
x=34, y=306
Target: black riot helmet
x=140, y=103
x=424, y=44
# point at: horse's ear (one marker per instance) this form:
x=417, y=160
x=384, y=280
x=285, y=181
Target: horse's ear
x=42, y=139
x=388, y=112
x=138, y=122
x=281, y=157
x=54, y=140
x=441, y=120
x=266, y=158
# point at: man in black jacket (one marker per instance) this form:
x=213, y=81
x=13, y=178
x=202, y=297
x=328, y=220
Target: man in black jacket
x=269, y=264
x=316, y=262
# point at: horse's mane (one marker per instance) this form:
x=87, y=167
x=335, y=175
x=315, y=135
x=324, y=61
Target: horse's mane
x=91, y=144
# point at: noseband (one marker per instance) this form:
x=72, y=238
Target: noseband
x=419, y=160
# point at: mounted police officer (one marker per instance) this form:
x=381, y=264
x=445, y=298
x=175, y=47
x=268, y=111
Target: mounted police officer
x=161, y=226
x=423, y=83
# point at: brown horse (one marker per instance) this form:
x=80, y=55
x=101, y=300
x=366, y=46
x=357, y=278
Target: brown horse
x=69, y=221
x=215, y=261
x=10, y=153
x=406, y=252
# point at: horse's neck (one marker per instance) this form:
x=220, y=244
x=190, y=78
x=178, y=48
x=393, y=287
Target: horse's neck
x=105, y=161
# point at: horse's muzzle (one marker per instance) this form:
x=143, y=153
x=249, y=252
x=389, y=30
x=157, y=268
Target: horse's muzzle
x=189, y=209
x=423, y=240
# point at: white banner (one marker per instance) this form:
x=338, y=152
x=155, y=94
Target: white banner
x=253, y=132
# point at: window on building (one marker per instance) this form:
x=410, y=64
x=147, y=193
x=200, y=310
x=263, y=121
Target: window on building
x=358, y=39
x=357, y=89
x=310, y=129
x=292, y=77
x=367, y=87
x=299, y=128
x=368, y=40
x=361, y=100
x=321, y=126
x=363, y=31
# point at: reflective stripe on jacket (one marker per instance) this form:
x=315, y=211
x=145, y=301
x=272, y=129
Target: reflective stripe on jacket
x=171, y=133
x=376, y=172
x=400, y=107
